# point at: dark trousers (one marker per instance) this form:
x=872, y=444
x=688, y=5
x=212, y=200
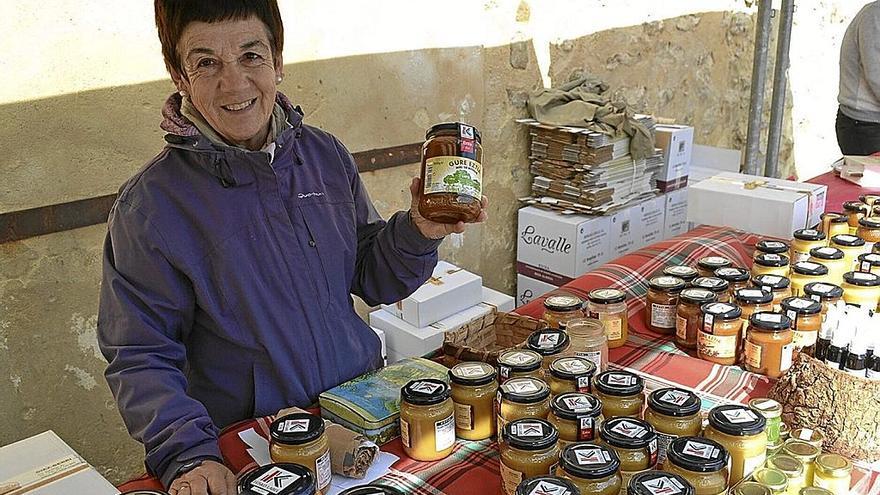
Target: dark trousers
x=856, y=137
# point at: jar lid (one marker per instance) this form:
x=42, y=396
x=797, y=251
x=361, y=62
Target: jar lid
x=548, y=341
x=801, y=306
x=809, y=268
x=814, y=490
x=563, y=303
x=667, y=284
x=683, y=272
x=769, y=321
x=768, y=408
x=872, y=258
x=425, y=392
x=659, y=483
x=800, y=449
x=519, y=361
x=627, y=433
x=572, y=368
x=589, y=461
x=371, y=490
x=735, y=273
x=773, y=247
x=698, y=296
x=826, y=253
x=297, y=429
x=546, y=484
x=575, y=405
x=834, y=464
x=752, y=296
x=870, y=222
x=721, y=311
x=714, y=284
x=787, y=464
x=472, y=373
x=771, y=259
x=713, y=263
x=773, y=282
x=854, y=206
x=619, y=383
x=773, y=479
x=823, y=290
x=466, y=130
x=862, y=279
x=847, y=240
x=278, y=479
x=607, y=296
x=739, y=421
x=697, y=454
x=525, y=390
x=750, y=488
x=869, y=198
x=675, y=402
x=530, y=434
x=833, y=216
x=809, y=235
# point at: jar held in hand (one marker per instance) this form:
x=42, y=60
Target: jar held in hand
x=452, y=174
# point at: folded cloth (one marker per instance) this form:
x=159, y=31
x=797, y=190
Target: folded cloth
x=351, y=454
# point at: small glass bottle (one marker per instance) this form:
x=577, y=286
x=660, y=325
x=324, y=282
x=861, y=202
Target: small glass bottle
x=772, y=412
x=589, y=341
x=609, y=307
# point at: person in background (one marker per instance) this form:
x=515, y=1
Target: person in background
x=231, y=257
x=858, y=117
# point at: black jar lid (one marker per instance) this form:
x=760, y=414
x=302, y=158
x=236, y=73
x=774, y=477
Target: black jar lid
x=697, y=296
x=733, y=274
x=619, y=383
x=371, y=489
x=548, y=341
x=607, y=296
x=297, y=429
x=773, y=282
x=676, y=402
x=627, y=433
x=809, y=235
x=771, y=260
x=801, y=306
x=772, y=247
x=864, y=198
x=854, y=206
x=834, y=216
x=572, y=368
x=752, y=296
x=563, y=303
x=872, y=259
x=286, y=479
x=737, y=420
x=519, y=360
x=472, y=374
x=667, y=284
x=459, y=127
x=768, y=321
x=870, y=222
x=589, y=461
x=683, y=272
x=721, y=311
x=575, y=405
x=425, y=392
x=697, y=454
x=809, y=268
x=713, y=263
x=862, y=279
x=714, y=284
x=848, y=240
x=547, y=483
x=823, y=290
x=826, y=253
x=525, y=390
x=658, y=482
x=530, y=434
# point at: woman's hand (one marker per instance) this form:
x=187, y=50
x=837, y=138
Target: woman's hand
x=211, y=478
x=434, y=230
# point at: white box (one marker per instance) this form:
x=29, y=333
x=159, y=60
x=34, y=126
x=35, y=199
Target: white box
x=677, y=143
x=651, y=221
x=676, y=221
x=713, y=158
x=528, y=289
x=760, y=205
x=449, y=290
x=624, y=231
x=567, y=245
x=45, y=465
x=501, y=301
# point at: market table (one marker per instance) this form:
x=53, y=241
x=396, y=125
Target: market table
x=840, y=190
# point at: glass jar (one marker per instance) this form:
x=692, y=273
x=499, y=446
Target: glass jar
x=804, y=452
x=689, y=316
x=770, y=246
x=792, y=468
x=706, y=266
x=868, y=262
x=861, y=288
x=253, y=482
x=854, y=210
x=720, y=287
x=593, y=468
x=750, y=488
x=814, y=490
x=576, y=416
x=683, y=272
x=772, y=412
x=827, y=294
x=571, y=374
x=805, y=240
x=832, y=258
x=427, y=419
x=869, y=199
x=609, y=307
x=634, y=442
x=546, y=484
x=621, y=393
x=519, y=363
x=662, y=299
x=751, y=301
x=851, y=246
x=588, y=341
x=780, y=287
x=806, y=320
x=770, y=264
x=718, y=340
x=559, y=309
x=528, y=448
x=834, y=223
x=804, y=272
x=736, y=278
x=673, y=412
x=702, y=462
x=769, y=348
x=474, y=386
x=654, y=482
x=833, y=473
x=869, y=230
x=452, y=174
x=741, y=431
x=550, y=343
x=300, y=439
x=773, y=479
x=809, y=435
x=520, y=398
x=370, y=489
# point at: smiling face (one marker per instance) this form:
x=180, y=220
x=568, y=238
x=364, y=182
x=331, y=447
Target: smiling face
x=230, y=77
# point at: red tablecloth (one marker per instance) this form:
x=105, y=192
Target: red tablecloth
x=840, y=190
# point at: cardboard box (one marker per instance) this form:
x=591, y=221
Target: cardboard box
x=528, y=289
x=676, y=221
x=651, y=221
x=760, y=205
x=449, y=290
x=624, y=232
x=714, y=158
x=566, y=245
x=677, y=142
x=45, y=465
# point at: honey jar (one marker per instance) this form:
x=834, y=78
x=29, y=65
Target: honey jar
x=770, y=264
x=833, y=473
x=804, y=452
x=683, y=272
x=831, y=258
x=662, y=300
x=769, y=348
x=792, y=468
x=861, y=288
x=550, y=343
x=772, y=412
x=473, y=390
x=452, y=174
x=559, y=309
x=519, y=363
x=805, y=272
x=593, y=468
x=780, y=287
x=300, y=439
x=741, y=431
x=654, y=482
x=750, y=488
x=706, y=266
x=260, y=481
x=834, y=223
x=805, y=240
x=868, y=262
x=673, y=412
x=855, y=210
x=609, y=307
x=720, y=287
x=520, y=398
x=869, y=230
x=576, y=416
x=702, y=462
x=635, y=443
x=571, y=374
x=621, y=393
x=851, y=246
x=809, y=435
x=773, y=479
x=736, y=278
x=806, y=320
x=528, y=449
x=751, y=301
x=718, y=340
x=827, y=294
x=551, y=485
x=770, y=246
x=427, y=419
x=689, y=316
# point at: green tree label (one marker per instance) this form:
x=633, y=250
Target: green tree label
x=453, y=174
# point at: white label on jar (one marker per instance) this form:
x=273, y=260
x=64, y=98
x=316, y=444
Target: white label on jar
x=806, y=434
x=548, y=340
x=586, y=431
x=753, y=355
x=522, y=387
x=800, y=257
x=583, y=384
x=529, y=430
x=453, y=174
x=800, y=303
x=774, y=244
x=613, y=325
x=663, y=315
x=444, y=433
x=863, y=276
x=771, y=317
x=771, y=279
x=714, y=260
x=859, y=373
x=404, y=433
x=699, y=449
x=750, y=293
x=519, y=358
x=427, y=388
x=577, y=403
x=804, y=339
x=866, y=267
x=464, y=418
x=737, y=416
x=573, y=366
x=750, y=464
x=793, y=315
x=504, y=371
x=594, y=356
x=589, y=457
x=708, y=322
x=787, y=354
x=681, y=327
x=620, y=380
x=322, y=468
x=846, y=238
x=872, y=375
x=549, y=488
x=719, y=346
x=663, y=441
x=663, y=486
x=511, y=478
x=469, y=370
x=675, y=397
x=630, y=430
x=295, y=425
x=772, y=257
x=276, y=480
x=828, y=251
x=822, y=288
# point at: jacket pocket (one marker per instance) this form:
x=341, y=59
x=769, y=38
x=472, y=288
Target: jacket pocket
x=332, y=229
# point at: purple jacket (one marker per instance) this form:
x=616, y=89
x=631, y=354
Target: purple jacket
x=227, y=284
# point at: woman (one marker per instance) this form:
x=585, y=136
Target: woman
x=231, y=256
